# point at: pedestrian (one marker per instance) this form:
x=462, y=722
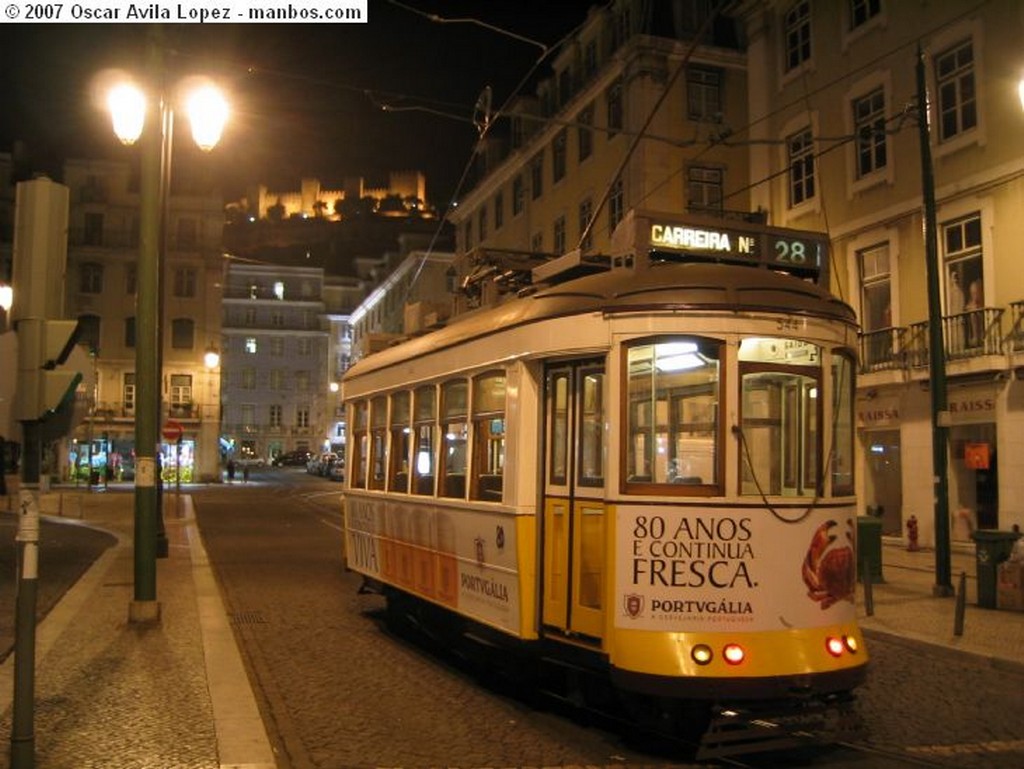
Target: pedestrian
x=245, y=473
x=231, y=470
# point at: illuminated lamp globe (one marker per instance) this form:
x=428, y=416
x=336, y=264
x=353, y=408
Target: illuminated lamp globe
x=211, y=359
x=127, y=106
x=207, y=112
x=6, y=297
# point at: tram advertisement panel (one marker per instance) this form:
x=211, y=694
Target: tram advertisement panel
x=727, y=568
x=462, y=559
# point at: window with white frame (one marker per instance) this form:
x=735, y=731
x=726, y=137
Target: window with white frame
x=957, y=96
x=704, y=188
x=302, y=416
x=185, y=282
x=559, y=235
x=247, y=414
x=585, y=132
x=800, y=148
x=247, y=377
x=963, y=262
x=183, y=333
x=91, y=278
x=703, y=93
x=875, y=287
x=277, y=379
x=275, y=414
x=181, y=389
x=797, y=26
x=559, y=150
x=862, y=11
x=128, y=392
x=305, y=345
x=586, y=211
x=277, y=346
x=869, y=130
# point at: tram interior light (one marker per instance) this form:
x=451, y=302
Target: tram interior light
x=423, y=462
x=677, y=356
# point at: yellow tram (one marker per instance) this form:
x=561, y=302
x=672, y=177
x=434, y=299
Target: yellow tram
x=645, y=472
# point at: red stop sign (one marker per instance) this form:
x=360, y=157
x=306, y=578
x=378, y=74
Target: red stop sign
x=173, y=431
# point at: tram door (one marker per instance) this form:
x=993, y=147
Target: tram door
x=575, y=523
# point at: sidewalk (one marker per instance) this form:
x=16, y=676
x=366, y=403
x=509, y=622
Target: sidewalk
x=111, y=694
x=905, y=608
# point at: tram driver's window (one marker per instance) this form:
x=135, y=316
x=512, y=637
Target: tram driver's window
x=360, y=444
x=401, y=433
x=454, y=438
x=780, y=410
x=672, y=431
x=424, y=429
x=378, y=441
x=488, y=437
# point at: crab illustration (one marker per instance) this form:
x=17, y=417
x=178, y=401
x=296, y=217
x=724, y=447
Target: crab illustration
x=829, y=570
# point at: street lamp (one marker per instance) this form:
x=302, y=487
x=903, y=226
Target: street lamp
x=131, y=111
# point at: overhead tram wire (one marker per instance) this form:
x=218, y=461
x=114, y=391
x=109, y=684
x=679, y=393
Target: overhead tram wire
x=701, y=31
x=501, y=111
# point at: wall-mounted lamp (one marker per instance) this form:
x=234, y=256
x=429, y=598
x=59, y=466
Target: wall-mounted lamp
x=212, y=358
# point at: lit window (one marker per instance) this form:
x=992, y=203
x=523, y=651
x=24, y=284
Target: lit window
x=279, y=289
x=250, y=345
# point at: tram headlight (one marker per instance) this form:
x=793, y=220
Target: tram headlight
x=835, y=646
x=851, y=644
x=702, y=654
x=734, y=654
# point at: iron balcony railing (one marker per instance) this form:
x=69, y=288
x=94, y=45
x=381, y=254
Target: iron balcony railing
x=966, y=335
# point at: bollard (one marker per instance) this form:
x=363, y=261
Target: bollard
x=961, y=604
x=869, y=595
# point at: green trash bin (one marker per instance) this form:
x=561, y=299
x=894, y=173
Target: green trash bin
x=992, y=547
x=869, y=548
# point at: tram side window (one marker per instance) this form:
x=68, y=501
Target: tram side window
x=841, y=455
x=454, y=437
x=558, y=472
x=424, y=427
x=401, y=433
x=672, y=429
x=378, y=441
x=591, y=442
x=780, y=414
x=360, y=444
x=488, y=437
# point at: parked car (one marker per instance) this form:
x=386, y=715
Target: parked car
x=336, y=470
x=292, y=459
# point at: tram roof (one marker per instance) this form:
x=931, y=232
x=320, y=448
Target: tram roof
x=661, y=287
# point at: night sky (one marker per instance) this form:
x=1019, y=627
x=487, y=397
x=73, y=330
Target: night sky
x=306, y=99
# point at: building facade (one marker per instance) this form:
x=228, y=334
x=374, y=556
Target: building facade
x=274, y=361
x=103, y=250
x=835, y=145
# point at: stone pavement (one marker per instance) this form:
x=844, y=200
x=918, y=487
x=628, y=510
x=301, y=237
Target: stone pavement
x=113, y=694
x=175, y=694
x=905, y=608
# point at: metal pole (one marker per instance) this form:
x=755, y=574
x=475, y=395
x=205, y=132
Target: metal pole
x=167, y=132
x=144, y=607
x=23, y=739
x=937, y=348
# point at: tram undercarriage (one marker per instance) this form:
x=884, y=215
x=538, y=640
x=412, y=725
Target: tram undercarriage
x=577, y=676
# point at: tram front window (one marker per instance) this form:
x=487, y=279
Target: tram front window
x=780, y=417
x=672, y=424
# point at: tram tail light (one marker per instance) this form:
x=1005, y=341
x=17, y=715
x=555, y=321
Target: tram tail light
x=835, y=646
x=734, y=654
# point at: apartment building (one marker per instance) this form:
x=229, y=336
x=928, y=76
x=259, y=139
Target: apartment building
x=103, y=248
x=275, y=387
x=835, y=145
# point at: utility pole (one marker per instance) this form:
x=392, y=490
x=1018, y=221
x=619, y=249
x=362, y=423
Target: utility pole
x=44, y=397
x=937, y=348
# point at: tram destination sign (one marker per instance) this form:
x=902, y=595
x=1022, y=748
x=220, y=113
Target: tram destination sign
x=797, y=251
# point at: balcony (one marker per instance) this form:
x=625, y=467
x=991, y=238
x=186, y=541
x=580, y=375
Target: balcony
x=971, y=340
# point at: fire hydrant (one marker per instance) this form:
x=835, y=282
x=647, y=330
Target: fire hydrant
x=912, y=533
